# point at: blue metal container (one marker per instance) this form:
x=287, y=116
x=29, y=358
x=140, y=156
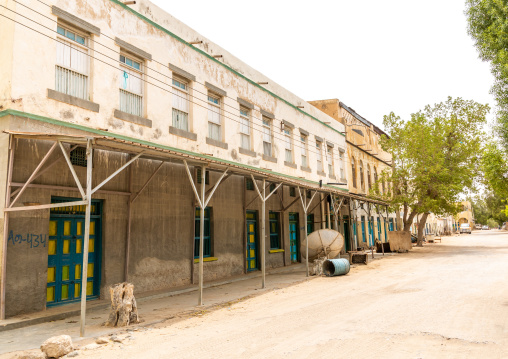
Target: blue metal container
x=333, y=267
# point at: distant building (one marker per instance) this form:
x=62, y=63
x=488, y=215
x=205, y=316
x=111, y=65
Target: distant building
x=364, y=163
x=466, y=215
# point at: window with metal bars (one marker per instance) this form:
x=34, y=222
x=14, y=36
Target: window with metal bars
x=249, y=184
x=72, y=64
x=78, y=156
x=180, y=104
x=207, y=238
x=292, y=192
x=131, y=85
x=198, y=176
x=274, y=230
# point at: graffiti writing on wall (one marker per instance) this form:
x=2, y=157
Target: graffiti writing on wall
x=34, y=240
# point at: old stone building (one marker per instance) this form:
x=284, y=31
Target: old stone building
x=364, y=162
x=132, y=147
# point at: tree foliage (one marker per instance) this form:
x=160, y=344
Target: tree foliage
x=436, y=156
x=488, y=26
x=495, y=169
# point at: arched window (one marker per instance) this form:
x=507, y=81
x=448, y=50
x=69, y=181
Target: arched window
x=362, y=180
x=353, y=171
x=368, y=177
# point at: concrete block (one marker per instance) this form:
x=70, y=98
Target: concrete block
x=399, y=241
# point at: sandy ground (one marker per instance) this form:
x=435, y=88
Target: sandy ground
x=446, y=300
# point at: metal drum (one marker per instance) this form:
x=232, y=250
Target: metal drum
x=333, y=267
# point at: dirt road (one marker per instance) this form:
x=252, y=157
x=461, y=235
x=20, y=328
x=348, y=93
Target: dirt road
x=447, y=300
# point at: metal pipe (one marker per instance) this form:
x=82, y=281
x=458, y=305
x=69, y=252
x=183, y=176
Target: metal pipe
x=71, y=168
x=10, y=153
x=201, y=233
x=44, y=159
x=129, y=223
x=65, y=188
x=323, y=213
x=84, y=275
x=45, y=206
x=263, y=231
x=116, y=172
x=41, y=172
x=328, y=216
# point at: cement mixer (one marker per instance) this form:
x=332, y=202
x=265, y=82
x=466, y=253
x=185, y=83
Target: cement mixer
x=323, y=243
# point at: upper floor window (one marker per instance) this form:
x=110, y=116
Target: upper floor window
x=245, y=128
x=214, y=117
x=341, y=165
x=319, y=156
x=303, y=150
x=288, y=146
x=131, y=85
x=368, y=177
x=72, y=63
x=267, y=136
x=329, y=159
x=362, y=179
x=375, y=175
x=353, y=171
x=180, y=104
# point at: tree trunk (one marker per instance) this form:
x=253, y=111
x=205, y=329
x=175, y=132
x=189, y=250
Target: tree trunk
x=124, y=310
x=409, y=221
x=398, y=220
x=421, y=226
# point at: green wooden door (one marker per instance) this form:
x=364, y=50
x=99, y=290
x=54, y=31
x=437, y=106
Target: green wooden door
x=65, y=253
x=252, y=242
x=294, y=238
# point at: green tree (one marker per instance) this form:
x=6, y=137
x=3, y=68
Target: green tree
x=435, y=158
x=492, y=223
x=488, y=26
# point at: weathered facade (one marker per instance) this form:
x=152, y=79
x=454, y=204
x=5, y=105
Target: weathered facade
x=125, y=112
x=364, y=162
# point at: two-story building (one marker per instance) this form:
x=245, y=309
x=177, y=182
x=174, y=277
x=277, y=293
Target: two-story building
x=364, y=162
x=135, y=149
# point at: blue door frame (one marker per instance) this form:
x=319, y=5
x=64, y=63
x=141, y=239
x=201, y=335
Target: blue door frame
x=363, y=229
x=65, y=253
x=252, y=241
x=294, y=237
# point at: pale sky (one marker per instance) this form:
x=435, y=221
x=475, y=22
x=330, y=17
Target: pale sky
x=375, y=56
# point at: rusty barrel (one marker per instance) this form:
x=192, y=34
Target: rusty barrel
x=338, y=266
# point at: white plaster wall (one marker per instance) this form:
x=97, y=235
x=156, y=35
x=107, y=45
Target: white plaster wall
x=34, y=72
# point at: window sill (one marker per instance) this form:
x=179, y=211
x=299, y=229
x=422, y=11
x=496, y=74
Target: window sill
x=269, y=158
x=133, y=118
x=343, y=180
x=276, y=251
x=182, y=133
x=290, y=164
x=71, y=100
x=306, y=169
x=243, y=151
x=332, y=177
x=206, y=259
x=211, y=141
x=321, y=173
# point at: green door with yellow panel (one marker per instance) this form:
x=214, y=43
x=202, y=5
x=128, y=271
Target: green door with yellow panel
x=252, y=242
x=65, y=254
